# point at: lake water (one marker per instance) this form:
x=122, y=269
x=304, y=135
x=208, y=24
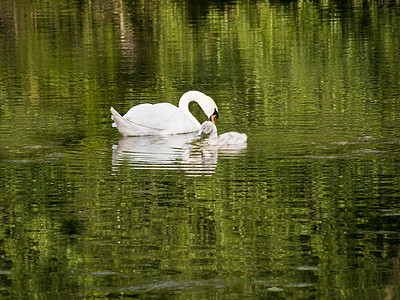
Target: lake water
x=309, y=209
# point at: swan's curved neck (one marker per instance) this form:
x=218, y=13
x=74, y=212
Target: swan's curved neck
x=205, y=102
x=184, y=105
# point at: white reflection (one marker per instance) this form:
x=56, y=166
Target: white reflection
x=170, y=152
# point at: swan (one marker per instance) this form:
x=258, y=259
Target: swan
x=164, y=118
x=228, y=138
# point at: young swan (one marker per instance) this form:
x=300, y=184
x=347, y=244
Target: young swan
x=229, y=138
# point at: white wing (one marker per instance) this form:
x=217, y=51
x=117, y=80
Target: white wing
x=153, y=119
x=231, y=138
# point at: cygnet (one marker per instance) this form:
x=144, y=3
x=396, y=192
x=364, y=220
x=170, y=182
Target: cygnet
x=228, y=138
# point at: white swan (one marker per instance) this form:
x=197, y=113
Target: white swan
x=228, y=138
x=164, y=118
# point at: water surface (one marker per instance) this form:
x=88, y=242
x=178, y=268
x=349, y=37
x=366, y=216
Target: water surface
x=307, y=209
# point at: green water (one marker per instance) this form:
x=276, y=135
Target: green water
x=309, y=209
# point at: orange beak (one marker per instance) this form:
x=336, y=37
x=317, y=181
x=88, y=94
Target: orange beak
x=214, y=116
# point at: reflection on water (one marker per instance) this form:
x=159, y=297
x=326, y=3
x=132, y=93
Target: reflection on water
x=173, y=152
x=152, y=150
x=308, y=210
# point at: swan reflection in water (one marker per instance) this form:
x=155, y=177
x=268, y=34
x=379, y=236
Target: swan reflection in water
x=172, y=152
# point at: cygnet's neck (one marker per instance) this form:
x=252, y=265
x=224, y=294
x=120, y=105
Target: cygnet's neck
x=213, y=138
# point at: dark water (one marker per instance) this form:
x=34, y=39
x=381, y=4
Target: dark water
x=308, y=210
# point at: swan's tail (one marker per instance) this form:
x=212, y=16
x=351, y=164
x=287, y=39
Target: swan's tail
x=124, y=126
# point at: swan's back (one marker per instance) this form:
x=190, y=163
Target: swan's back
x=153, y=119
x=160, y=118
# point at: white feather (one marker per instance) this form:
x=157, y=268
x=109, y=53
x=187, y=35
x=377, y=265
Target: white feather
x=228, y=138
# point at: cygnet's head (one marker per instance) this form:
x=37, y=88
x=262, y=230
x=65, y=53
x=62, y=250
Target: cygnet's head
x=207, y=127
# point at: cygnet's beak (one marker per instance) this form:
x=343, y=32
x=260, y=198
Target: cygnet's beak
x=202, y=134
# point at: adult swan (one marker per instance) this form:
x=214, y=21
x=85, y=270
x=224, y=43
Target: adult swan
x=164, y=118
